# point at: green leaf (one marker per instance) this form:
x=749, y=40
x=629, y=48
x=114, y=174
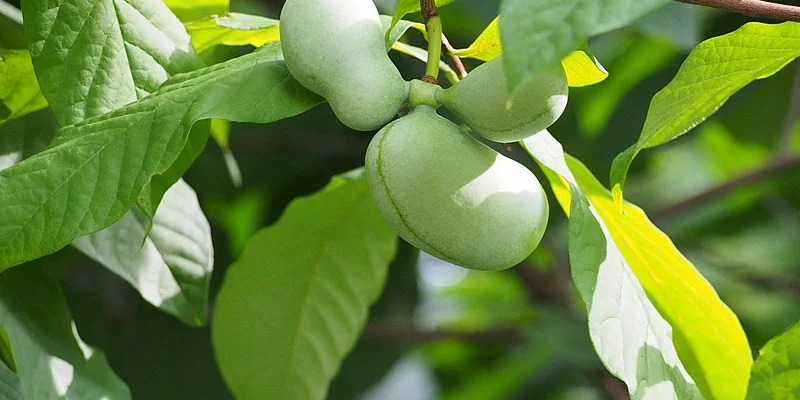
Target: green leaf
x=10, y=387
x=122, y=52
x=109, y=159
x=409, y=6
x=172, y=268
x=713, y=72
x=776, y=372
x=23, y=137
x=422, y=55
x=292, y=306
x=19, y=91
x=11, y=36
x=51, y=360
x=538, y=34
x=232, y=29
x=487, y=46
x=192, y=10
x=706, y=334
x=396, y=30
x=632, y=340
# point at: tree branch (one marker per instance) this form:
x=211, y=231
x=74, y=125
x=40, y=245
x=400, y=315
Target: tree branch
x=433, y=25
x=753, y=8
x=778, y=165
x=411, y=333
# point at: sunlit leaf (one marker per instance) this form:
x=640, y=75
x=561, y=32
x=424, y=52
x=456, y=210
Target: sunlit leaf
x=292, y=306
x=714, y=71
x=537, y=34
x=776, y=371
x=19, y=91
x=633, y=341
x=487, y=46
x=232, y=29
x=707, y=335
x=192, y=10
x=172, y=267
x=109, y=159
x=51, y=360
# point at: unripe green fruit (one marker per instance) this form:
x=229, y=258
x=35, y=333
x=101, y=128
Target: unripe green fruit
x=335, y=48
x=452, y=196
x=482, y=101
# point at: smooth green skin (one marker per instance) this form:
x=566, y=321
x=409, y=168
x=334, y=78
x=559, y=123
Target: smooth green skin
x=452, y=196
x=335, y=48
x=481, y=100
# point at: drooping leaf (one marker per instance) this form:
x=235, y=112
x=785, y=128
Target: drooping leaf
x=51, y=360
x=292, y=306
x=397, y=30
x=581, y=66
x=706, y=334
x=19, y=91
x=776, y=371
x=632, y=340
x=192, y=10
x=10, y=386
x=95, y=56
x=232, y=29
x=713, y=72
x=109, y=159
x=538, y=34
x=172, y=268
x=422, y=55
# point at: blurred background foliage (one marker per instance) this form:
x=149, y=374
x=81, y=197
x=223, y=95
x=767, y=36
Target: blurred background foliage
x=443, y=332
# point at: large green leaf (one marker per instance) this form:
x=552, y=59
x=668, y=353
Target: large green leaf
x=632, y=340
x=537, y=34
x=292, y=307
x=109, y=159
x=713, y=72
x=94, y=56
x=51, y=360
x=776, y=371
x=19, y=91
x=172, y=268
x=232, y=29
x=706, y=334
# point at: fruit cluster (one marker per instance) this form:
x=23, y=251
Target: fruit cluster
x=441, y=189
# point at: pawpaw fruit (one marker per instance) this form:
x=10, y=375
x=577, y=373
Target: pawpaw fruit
x=452, y=196
x=336, y=49
x=482, y=101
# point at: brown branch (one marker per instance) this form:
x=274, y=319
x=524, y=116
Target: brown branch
x=447, y=50
x=411, y=333
x=778, y=165
x=753, y=8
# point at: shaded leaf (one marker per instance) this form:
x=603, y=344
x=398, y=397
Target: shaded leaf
x=398, y=29
x=95, y=56
x=11, y=36
x=292, y=306
x=23, y=137
x=172, y=268
x=232, y=29
x=19, y=90
x=776, y=371
x=707, y=335
x=422, y=55
x=51, y=360
x=538, y=34
x=714, y=71
x=109, y=159
x=10, y=387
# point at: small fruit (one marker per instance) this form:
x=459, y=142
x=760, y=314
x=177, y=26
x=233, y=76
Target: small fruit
x=482, y=101
x=452, y=196
x=335, y=48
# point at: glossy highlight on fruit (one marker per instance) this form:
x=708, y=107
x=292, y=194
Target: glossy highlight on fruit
x=481, y=101
x=452, y=196
x=335, y=48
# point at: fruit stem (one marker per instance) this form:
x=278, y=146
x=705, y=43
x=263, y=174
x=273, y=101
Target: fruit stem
x=433, y=24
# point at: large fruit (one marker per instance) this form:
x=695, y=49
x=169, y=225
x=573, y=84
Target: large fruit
x=336, y=49
x=452, y=196
x=482, y=101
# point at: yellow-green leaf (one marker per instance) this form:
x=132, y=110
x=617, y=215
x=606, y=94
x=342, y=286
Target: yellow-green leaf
x=708, y=337
x=19, y=90
x=486, y=47
x=191, y=10
x=232, y=29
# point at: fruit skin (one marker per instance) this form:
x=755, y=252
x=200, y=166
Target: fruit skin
x=336, y=49
x=481, y=100
x=452, y=196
